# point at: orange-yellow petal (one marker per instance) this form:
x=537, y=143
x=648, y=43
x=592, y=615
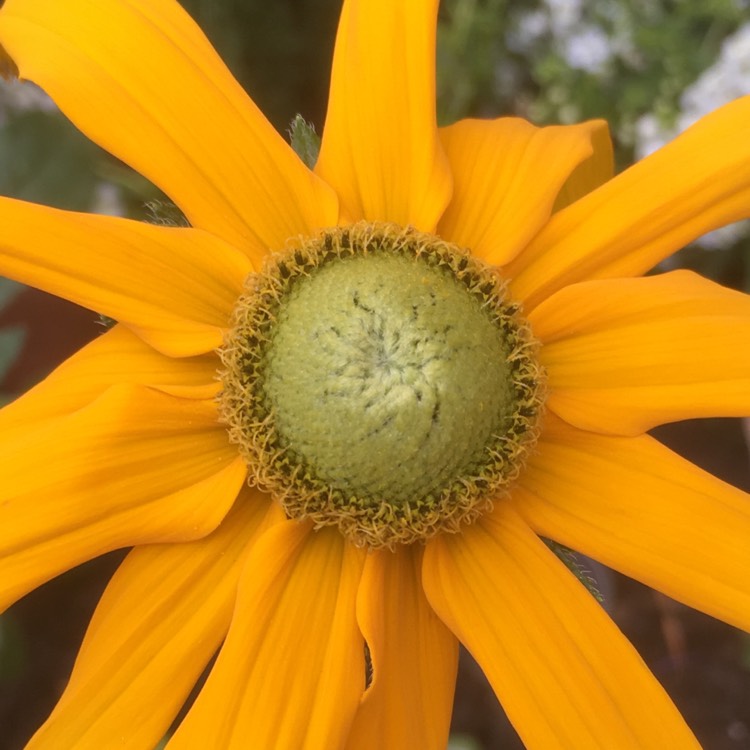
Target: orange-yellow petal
x=591, y=173
x=141, y=79
x=380, y=148
x=159, y=622
x=174, y=287
x=117, y=356
x=640, y=508
x=565, y=675
x=291, y=672
x=134, y=467
x=414, y=658
x=697, y=183
x=624, y=355
x=507, y=175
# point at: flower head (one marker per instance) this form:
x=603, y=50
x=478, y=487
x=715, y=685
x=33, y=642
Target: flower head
x=370, y=342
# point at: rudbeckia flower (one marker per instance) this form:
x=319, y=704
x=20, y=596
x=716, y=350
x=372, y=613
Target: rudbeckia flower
x=341, y=411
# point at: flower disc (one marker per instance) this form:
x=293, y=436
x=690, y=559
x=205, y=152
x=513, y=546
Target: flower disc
x=376, y=379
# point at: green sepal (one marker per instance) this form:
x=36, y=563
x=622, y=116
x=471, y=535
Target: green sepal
x=106, y=322
x=305, y=141
x=166, y=214
x=571, y=562
x=368, y=666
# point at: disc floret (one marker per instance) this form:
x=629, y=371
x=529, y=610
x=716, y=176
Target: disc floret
x=378, y=379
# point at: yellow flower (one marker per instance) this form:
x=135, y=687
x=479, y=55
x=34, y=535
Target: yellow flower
x=123, y=446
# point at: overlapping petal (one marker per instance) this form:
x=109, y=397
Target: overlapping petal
x=507, y=177
x=134, y=467
x=158, y=624
x=291, y=672
x=592, y=172
x=174, y=287
x=117, y=356
x=380, y=148
x=624, y=355
x=636, y=506
x=698, y=182
x=140, y=79
x=414, y=658
x=565, y=675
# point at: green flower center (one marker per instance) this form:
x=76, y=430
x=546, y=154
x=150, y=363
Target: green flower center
x=376, y=379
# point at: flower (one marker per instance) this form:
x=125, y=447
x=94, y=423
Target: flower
x=123, y=445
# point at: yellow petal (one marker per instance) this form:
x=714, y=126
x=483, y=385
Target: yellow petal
x=291, y=671
x=380, y=148
x=141, y=79
x=636, y=506
x=175, y=287
x=117, y=356
x=159, y=622
x=697, y=183
x=414, y=658
x=134, y=467
x=565, y=675
x=591, y=173
x=624, y=355
x=507, y=175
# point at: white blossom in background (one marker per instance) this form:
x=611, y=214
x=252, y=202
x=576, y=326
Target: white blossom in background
x=530, y=28
x=108, y=200
x=727, y=79
x=588, y=48
x=583, y=45
x=22, y=96
x=564, y=16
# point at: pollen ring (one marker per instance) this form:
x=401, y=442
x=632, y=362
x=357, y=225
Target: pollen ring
x=378, y=379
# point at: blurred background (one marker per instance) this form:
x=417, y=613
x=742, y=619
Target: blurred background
x=650, y=67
